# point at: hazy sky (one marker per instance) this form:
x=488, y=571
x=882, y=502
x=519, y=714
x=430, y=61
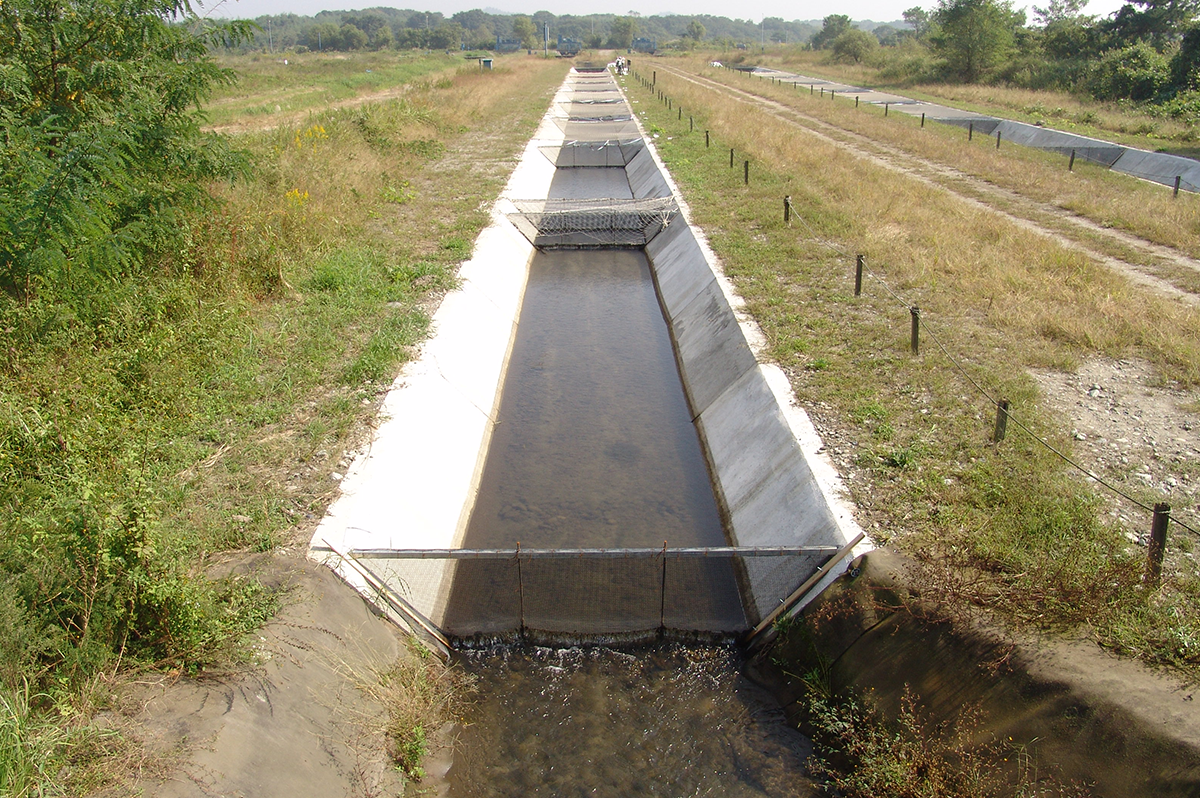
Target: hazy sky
x=878, y=10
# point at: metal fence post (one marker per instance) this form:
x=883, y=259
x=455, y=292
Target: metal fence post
x=521, y=589
x=1001, y=421
x=916, y=328
x=1158, y=543
x=1071, y=163
x=746, y=173
x=858, y=270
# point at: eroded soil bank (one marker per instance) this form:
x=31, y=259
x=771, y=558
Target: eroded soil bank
x=1064, y=708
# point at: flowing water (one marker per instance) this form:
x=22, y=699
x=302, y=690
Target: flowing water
x=595, y=447
x=668, y=720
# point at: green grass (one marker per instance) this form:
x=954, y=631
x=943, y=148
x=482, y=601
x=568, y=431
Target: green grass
x=314, y=81
x=914, y=433
x=202, y=408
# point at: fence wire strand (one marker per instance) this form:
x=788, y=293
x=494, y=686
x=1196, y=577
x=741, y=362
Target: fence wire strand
x=820, y=240
x=1011, y=417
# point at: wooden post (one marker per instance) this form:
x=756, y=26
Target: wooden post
x=822, y=91
x=1175, y=193
x=1071, y=163
x=856, y=101
x=970, y=130
x=655, y=81
x=916, y=329
x=787, y=210
x=858, y=270
x=706, y=140
x=746, y=175
x=832, y=94
x=810, y=88
x=997, y=139
x=681, y=113
x=691, y=124
x=1158, y=543
x=886, y=107
x=1001, y=421
x=731, y=157
x=922, y=119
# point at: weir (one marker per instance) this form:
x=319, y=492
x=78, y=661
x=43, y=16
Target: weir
x=589, y=447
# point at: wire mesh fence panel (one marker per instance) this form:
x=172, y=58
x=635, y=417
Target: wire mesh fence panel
x=593, y=153
x=484, y=599
x=577, y=223
x=592, y=596
x=594, y=592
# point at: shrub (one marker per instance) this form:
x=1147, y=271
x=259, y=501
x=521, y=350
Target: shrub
x=1137, y=72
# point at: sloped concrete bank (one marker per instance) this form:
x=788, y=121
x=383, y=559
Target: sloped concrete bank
x=1064, y=708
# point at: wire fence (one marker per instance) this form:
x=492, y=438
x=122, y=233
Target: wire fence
x=480, y=595
x=1161, y=513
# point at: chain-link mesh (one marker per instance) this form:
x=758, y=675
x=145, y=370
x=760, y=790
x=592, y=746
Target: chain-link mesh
x=588, y=223
x=593, y=153
x=590, y=594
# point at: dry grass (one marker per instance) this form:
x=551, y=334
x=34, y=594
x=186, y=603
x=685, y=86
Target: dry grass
x=911, y=435
x=1058, y=109
x=957, y=262
x=1107, y=198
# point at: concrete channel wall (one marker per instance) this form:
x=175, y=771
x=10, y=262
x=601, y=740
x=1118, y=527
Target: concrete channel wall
x=415, y=487
x=1157, y=167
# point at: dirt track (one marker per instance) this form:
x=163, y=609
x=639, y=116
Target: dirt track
x=1066, y=228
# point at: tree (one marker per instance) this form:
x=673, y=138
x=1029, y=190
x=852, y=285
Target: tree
x=834, y=26
x=886, y=35
x=621, y=33
x=447, y=36
x=1185, y=66
x=920, y=21
x=1158, y=22
x=351, y=38
x=854, y=45
x=523, y=29
x=1136, y=72
x=100, y=140
x=974, y=36
x=695, y=30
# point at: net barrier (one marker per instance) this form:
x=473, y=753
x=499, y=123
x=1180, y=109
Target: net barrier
x=483, y=595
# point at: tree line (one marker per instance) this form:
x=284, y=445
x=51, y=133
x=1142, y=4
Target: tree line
x=1147, y=51
x=385, y=28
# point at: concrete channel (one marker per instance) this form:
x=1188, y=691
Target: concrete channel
x=1157, y=167
x=729, y=484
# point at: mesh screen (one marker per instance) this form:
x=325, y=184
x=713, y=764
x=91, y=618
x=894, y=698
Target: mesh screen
x=593, y=153
x=581, y=595
x=587, y=223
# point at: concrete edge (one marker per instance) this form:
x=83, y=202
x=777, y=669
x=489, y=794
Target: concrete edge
x=798, y=426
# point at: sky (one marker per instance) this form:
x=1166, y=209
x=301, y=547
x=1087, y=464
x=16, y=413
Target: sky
x=877, y=10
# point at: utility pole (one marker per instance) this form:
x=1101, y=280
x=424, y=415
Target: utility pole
x=270, y=39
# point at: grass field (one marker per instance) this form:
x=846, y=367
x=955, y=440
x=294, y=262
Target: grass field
x=1006, y=527
x=1124, y=123
x=177, y=420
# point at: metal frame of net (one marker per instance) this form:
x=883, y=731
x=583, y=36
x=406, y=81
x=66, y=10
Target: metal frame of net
x=590, y=223
x=612, y=152
x=479, y=596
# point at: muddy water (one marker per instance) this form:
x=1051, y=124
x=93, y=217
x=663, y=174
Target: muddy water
x=666, y=721
x=595, y=446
